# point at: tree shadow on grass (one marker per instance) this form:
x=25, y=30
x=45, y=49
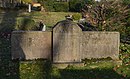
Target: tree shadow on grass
x=35, y=69
x=107, y=73
x=47, y=69
x=8, y=69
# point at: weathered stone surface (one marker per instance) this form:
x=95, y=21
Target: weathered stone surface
x=100, y=44
x=66, y=42
x=31, y=44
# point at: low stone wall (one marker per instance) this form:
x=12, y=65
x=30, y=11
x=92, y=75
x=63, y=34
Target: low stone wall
x=100, y=45
x=65, y=44
x=31, y=44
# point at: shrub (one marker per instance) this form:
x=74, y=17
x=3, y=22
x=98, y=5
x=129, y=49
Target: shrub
x=48, y=5
x=76, y=5
x=51, y=5
x=61, y=6
x=25, y=24
x=76, y=16
x=125, y=53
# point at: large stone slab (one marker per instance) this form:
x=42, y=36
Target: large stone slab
x=100, y=45
x=31, y=44
x=66, y=42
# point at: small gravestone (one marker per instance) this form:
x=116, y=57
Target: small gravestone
x=66, y=42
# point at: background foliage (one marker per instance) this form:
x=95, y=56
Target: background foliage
x=109, y=16
x=76, y=16
x=71, y=6
x=61, y=6
x=76, y=5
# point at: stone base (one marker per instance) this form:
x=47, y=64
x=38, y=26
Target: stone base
x=64, y=65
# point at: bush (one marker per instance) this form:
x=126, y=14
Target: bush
x=76, y=16
x=48, y=5
x=125, y=53
x=25, y=24
x=61, y=6
x=72, y=5
x=76, y=5
x=53, y=6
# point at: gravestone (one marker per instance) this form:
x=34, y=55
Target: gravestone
x=100, y=44
x=66, y=42
x=31, y=45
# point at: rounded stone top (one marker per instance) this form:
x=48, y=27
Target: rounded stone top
x=66, y=26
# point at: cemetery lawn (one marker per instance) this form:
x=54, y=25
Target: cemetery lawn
x=43, y=69
x=13, y=20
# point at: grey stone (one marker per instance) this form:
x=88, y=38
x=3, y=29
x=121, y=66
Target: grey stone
x=100, y=45
x=66, y=42
x=31, y=44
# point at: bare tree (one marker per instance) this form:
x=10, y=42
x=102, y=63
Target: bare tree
x=107, y=15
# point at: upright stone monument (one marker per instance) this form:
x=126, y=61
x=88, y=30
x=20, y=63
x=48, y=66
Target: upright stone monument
x=66, y=42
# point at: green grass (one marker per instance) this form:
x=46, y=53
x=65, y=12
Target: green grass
x=36, y=69
x=40, y=69
x=11, y=20
x=48, y=18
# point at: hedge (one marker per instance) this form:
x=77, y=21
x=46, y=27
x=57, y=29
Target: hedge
x=61, y=6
